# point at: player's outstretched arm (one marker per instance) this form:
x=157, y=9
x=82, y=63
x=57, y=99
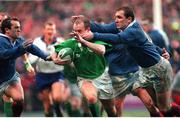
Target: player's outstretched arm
x=57, y=60
x=97, y=48
x=33, y=49
x=100, y=28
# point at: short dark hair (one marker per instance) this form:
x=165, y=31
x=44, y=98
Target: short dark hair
x=50, y=23
x=128, y=12
x=6, y=23
x=85, y=20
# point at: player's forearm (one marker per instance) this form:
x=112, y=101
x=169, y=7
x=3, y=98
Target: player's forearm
x=25, y=58
x=97, y=48
x=26, y=61
x=104, y=28
x=36, y=51
x=107, y=37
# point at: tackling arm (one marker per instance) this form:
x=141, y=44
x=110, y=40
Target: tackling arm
x=97, y=48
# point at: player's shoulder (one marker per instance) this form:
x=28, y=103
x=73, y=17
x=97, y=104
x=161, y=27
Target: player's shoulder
x=3, y=36
x=4, y=39
x=39, y=38
x=60, y=39
x=70, y=40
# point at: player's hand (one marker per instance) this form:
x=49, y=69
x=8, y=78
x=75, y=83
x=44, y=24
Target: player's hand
x=165, y=54
x=73, y=18
x=77, y=36
x=29, y=68
x=88, y=35
x=60, y=62
x=51, y=57
x=27, y=43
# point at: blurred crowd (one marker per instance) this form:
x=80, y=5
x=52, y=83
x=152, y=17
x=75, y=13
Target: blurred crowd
x=33, y=14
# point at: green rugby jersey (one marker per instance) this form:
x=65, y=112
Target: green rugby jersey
x=87, y=63
x=70, y=74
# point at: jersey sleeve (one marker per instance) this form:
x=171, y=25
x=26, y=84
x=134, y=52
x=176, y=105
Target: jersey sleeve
x=10, y=53
x=104, y=28
x=107, y=45
x=66, y=44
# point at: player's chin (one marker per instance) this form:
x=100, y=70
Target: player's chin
x=17, y=35
x=118, y=26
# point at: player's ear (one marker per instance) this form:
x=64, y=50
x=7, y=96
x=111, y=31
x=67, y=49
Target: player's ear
x=129, y=19
x=7, y=30
x=88, y=29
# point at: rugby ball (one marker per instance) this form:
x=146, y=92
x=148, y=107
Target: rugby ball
x=66, y=54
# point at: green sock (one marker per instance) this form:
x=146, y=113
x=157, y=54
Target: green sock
x=71, y=112
x=68, y=108
x=8, y=109
x=57, y=108
x=95, y=109
x=76, y=113
x=48, y=114
x=87, y=114
x=116, y=114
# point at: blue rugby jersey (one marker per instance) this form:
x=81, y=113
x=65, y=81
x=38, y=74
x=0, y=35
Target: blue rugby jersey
x=157, y=38
x=141, y=49
x=10, y=52
x=119, y=60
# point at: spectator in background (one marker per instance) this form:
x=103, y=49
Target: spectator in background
x=35, y=12
x=176, y=88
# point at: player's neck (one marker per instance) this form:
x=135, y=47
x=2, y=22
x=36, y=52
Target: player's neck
x=48, y=40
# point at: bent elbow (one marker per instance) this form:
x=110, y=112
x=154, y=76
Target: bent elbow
x=102, y=51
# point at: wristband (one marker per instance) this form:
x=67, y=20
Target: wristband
x=27, y=65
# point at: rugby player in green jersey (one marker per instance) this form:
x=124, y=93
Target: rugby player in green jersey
x=91, y=68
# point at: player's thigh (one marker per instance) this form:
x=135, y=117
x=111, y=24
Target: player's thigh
x=88, y=89
x=57, y=89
